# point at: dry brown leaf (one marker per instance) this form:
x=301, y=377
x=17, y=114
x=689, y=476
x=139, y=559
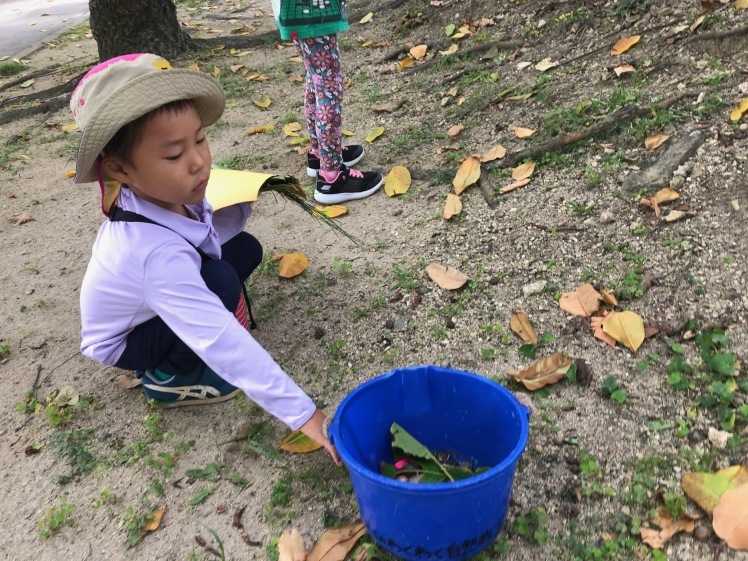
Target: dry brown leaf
x=467, y=174
x=741, y=4
x=668, y=528
x=731, y=517
x=545, y=64
x=291, y=546
x=418, y=52
x=447, y=278
x=403, y=64
x=697, y=23
x=627, y=328
x=548, y=370
x=522, y=132
x=514, y=186
x=261, y=129
x=397, y=181
x=23, y=218
x=624, y=44
x=455, y=130
x=664, y=195
x=335, y=543
x=495, y=153
x=655, y=141
x=675, y=215
x=127, y=381
x=608, y=297
x=584, y=301
x=194, y=67
x=523, y=171
x=623, y=69
x=292, y=264
x=332, y=211
x=154, y=520
x=453, y=206
x=298, y=443
x=520, y=324
x=596, y=323
x=234, y=68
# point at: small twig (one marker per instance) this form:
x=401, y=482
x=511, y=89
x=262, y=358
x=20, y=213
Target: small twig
x=562, y=228
x=47, y=94
x=71, y=357
x=501, y=45
x=35, y=74
x=717, y=35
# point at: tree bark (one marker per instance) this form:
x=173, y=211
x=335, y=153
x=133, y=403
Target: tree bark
x=137, y=26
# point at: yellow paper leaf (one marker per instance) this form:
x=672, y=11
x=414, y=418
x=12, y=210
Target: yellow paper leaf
x=262, y=101
x=292, y=264
x=514, y=186
x=740, y=110
x=655, y=141
x=291, y=129
x=450, y=51
x=291, y=546
x=367, y=18
x=731, y=517
x=523, y=132
x=405, y=63
x=548, y=370
x=623, y=69
x=154, y=520
x=446, y=277
x=348, y=133
x=298, y=443
x=374, y=134
x=336, y=543
x=454, y=130
x=260, y=129
x=706, y=489
x=418, y=52
x=467, y=174
x=332, y=211
x=495, y=153
x=294, y=59
x=523, y=171
x=584, y=301
x=627, y=328
x=520, y=324
x=452, y=207
x=69, y=127
x=545, y=64
x=70, y=173
x=397, y=181
x=624, y=44
x=668, y=528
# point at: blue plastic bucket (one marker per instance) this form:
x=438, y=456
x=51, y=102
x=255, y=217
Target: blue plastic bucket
x=447, y=410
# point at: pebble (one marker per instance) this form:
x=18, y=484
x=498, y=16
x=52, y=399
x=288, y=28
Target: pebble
x=677, y=182
x=534, y=288
x=719, y=438
x=701, y=534
x=606, y=217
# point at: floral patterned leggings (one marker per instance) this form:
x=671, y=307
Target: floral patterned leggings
x=324, y=97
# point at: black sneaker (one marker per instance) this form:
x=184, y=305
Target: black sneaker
x=351, y=156
x=348, y=186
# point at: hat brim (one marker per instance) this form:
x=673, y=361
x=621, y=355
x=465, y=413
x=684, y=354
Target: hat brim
x=141, y=96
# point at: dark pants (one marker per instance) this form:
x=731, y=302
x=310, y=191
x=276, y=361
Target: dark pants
x=153, y=345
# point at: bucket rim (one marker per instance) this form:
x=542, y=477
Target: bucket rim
x=448, y=486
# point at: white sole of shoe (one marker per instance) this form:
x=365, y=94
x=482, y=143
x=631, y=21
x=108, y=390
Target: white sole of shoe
x=344, y=197
x=313, y=172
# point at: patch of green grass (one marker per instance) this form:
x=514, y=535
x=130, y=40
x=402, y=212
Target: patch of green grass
x=134, y=524
x=404, y=278
x=414, y=137
x=75, y=33
x=55, y=517
x=4, y=351
x=11, y=68
x=73, y=447
x=613, y=391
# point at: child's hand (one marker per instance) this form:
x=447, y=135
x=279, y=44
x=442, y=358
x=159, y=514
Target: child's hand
x=313, y=429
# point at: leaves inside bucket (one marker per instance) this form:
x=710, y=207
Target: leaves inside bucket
x=414, y=463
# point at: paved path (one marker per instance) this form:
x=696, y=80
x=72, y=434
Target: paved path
x=18, y=38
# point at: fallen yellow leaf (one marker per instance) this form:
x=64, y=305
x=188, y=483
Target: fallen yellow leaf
x=495, y=153
x=740, y=110
x=514, y=186
x=291, y=129
x=292, y=264
x=154, y=520
x=348, y=133
x=741, y=4
x=523, y=171
x=697, y=23
x=418, y=52
x=623, y=69
x=731, y=517
x=298, y=443
x=332, y=211
x=291, y=546
x=236, y=67
x=374, y=134
x=522, y=132
x=294, y=59
x=453, y=206
x=405, y=63
x=397, y=181
x=367, y=18
x=216, y=71
x=298, y=140
x=706, y=489
x=261, y=129
x=262, y=101
x=596, y=323
x=655, y=141
x=446, y=277
x=520, y=324
x=336, y=543
x=450, y=51
x=624, y=44
x=627, y=328
x=545, y=64
x=467, y=174
x=194, y=67
x=548, y=370
x=454, y=130
x=584, y=301
x=70, y=173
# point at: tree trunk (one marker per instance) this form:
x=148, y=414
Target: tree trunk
x=137, y=26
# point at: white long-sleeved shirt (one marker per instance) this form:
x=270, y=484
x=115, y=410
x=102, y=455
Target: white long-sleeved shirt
x=140, y=270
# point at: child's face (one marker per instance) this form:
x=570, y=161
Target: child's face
x=170, y=164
